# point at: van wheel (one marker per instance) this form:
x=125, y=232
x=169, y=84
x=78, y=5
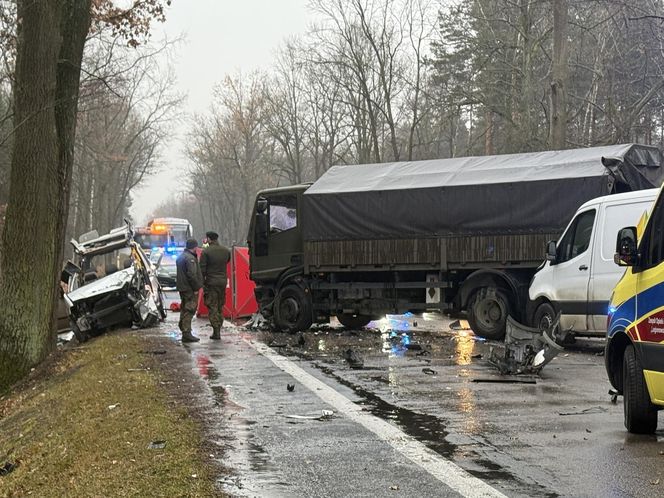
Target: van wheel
x=488, y=309
x=640, y=413
x=544, y=317
x=351, y=321
x=293, y=309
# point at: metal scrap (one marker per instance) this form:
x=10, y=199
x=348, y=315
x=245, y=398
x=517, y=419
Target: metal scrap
x=526, y=350
x=587, y=411
x=325, y=414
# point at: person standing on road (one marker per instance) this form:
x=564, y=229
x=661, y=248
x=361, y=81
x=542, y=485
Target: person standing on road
x=214, y=259
x=189, y=281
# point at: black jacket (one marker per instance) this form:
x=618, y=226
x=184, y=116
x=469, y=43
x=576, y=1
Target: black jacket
x=214, y=259
x=189, y=277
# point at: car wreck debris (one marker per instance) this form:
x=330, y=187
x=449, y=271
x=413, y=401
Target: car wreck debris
x=99, y=295
x=526, y=350
x=353, y=359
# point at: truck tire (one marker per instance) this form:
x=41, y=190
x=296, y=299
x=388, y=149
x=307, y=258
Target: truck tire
x=544, y=316
x=293, y=309
x=351, y=321
x=488, y=308
x=640, y=413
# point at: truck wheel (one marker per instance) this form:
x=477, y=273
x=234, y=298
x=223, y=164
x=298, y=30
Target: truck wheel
x=640, y=413
x=487, y=312
x=351, y=321
x=293, y=309
x=544, y=317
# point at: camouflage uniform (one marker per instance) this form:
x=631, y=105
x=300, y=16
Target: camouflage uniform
x=214, y=259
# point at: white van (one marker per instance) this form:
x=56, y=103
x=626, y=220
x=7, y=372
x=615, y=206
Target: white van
x=579, y=274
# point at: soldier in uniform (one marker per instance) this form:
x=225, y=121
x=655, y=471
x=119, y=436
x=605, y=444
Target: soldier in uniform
x=189, y=281
x=214, y=259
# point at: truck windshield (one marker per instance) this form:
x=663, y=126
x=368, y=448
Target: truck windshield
x=283, y=213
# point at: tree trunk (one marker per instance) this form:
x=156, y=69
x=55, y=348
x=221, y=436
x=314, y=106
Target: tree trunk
x=559, y=75
x=50, y=43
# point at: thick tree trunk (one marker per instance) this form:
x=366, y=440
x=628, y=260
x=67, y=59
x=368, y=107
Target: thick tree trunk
x=559, y=75
x=51, y=36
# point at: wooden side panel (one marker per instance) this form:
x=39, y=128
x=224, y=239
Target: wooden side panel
x=499, y=249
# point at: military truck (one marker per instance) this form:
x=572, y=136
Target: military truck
x=452, y=235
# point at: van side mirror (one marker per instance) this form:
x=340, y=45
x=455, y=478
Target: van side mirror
x=551, y=253
x=261, y=205
x=626, y=248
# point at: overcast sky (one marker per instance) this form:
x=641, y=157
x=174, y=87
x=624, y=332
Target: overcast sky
x=222, y=37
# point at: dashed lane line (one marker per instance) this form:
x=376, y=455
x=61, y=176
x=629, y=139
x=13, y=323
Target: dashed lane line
x=439, y=467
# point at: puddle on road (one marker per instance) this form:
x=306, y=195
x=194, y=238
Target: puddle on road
x=431, y=431
x=253, y=471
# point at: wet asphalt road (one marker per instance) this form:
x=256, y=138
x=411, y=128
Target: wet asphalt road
x=559, y=437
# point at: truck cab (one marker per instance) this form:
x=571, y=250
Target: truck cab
x=579, y=273
x=275, y=240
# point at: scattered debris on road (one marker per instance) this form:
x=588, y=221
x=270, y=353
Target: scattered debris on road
x=325, y=414
x=429, y=371
x=526, y=350
x=354, y=360
x=257, y=322
x=614, y=396
x=113, y=407
x=157, y=445
x=7, y=468
x=587, y=411
x=460, y=325
x=290, y=387
x=506, y=380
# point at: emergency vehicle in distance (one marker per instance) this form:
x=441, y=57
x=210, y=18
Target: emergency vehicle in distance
x=163, y=239
x=164, y=233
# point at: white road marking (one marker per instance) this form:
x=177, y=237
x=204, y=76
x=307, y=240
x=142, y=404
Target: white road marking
x=441, y=468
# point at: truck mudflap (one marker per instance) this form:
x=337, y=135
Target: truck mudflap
x=526, y=350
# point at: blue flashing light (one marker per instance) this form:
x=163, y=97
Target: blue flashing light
x=612, y=310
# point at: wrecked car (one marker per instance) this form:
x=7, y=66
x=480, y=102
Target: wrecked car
x=110, y=282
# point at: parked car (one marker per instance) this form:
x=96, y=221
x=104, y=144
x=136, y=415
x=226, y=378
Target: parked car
x=166, y=269
x=634, y=354
x=579, y=274
x=110, y=282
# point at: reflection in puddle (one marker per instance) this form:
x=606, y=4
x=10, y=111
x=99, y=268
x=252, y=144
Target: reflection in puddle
x=395, y=343
x=255, y=473
x=465, y=346
x=467, y=406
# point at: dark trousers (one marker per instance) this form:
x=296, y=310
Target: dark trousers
x=188, y=305
x=215, y=297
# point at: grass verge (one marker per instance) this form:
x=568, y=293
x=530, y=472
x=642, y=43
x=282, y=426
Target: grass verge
x=82, y=423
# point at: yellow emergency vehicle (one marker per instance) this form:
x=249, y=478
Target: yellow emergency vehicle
x=634, y=353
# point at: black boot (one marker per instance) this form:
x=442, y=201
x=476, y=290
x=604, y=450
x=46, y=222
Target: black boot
x=188, y=337
x=216, y=335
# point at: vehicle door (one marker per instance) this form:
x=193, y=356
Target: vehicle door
x=650, y=283
x=604, y=272
x=572, y=273
x=284, y=238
